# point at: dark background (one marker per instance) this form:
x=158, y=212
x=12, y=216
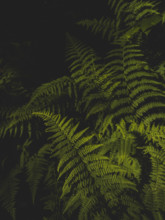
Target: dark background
x=41, y=25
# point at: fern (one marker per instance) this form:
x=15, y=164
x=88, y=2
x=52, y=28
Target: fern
x=101, y=170
x=8, y=191
x=45, y=97
x=82, y=166
x=36, y=167
x=104, y=26
x=55, y=88
x=138, y=17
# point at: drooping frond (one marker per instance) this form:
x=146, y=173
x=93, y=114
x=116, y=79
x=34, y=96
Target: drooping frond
x=8, y=190
x=53, y=188
x=118, y=7
x=104, y=26
x=153, y=145
x=134, y=209
x=155, y=191
x=82, y=57
x=36, y=167
x=56, y=88
x=51, y=96
x=101, y=215
x=10, y=82
x=143, y=9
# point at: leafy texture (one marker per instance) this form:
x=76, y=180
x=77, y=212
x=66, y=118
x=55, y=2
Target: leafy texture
x=86, y=170
x=93, y=142
x=8, y=190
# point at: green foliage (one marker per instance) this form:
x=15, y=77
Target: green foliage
x=128, y=20
x=8, y=189
x=85, y=170
x=93, y=163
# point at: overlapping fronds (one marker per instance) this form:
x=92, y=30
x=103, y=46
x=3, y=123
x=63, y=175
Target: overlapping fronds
x=88, y=76
x=142, y=84
x=56, y=88
x=154, y=192
x=153, y=145
x=127, y=20
x=124, y=98
x=82, y=167
x=50, y=96
x=102, y=86
x=119, y=100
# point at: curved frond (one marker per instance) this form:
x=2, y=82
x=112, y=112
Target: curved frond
x=36, y=167
x=8, y=191
x=104, y=26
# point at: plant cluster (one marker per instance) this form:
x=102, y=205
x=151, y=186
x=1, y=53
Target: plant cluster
x=92, y=144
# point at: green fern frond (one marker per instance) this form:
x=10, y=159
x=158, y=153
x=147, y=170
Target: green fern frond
x=148, y=84
x=96, y=109
x=24, y=154
x=134, y=208
x=119, y=8
x=101, y=215
x=103, y=26
x=120, y=183
x=143, y=8
x=43, y=98
x=82, y=167
x=86, y=70
x=17, y=126
x=138, y=16
x=87, y=204
x=8, y=191
x=154, y=198
x=80, y=55
x=55, y=87
x=102, y=85
x=36, y=167
x=74, y=201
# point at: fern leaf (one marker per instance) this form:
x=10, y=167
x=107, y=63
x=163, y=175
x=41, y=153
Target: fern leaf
x=8, y=190
x=36, y=167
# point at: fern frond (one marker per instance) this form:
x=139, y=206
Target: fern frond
x=44, y=97
x=8, y=191
x=102, y=215
x=138, y=16
x=55, y=87
x=134, y=208
x=74, y=201
x=36, y=167
x=81, y=55
x=143, y=8
x=103, y=26
x=83, y=168
x=87, y=204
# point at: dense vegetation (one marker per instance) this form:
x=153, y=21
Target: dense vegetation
x=89, y=144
